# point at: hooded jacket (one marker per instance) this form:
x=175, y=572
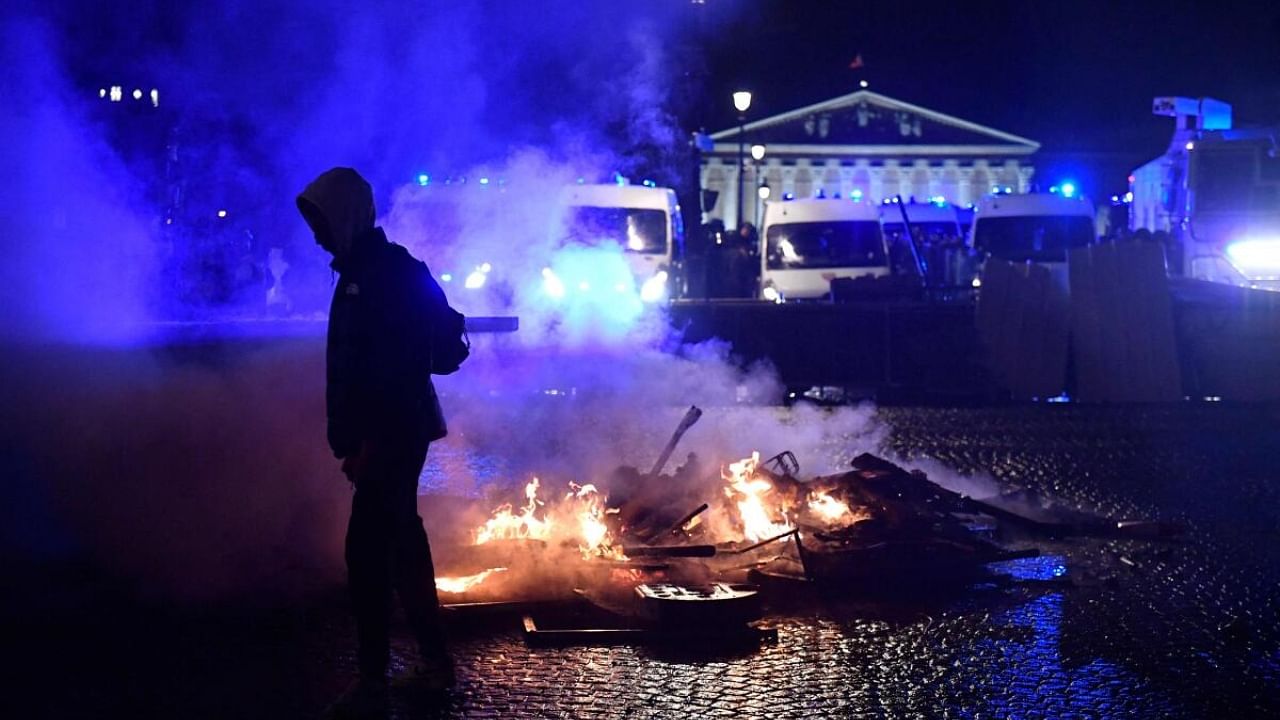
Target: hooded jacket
x=379, y=348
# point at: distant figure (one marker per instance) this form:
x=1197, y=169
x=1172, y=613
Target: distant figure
x=744, y=269
x=383, y=412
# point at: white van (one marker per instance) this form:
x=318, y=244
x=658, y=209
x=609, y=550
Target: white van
x=932, y=222
x=1038, y=227
x=644, y=221
x=808, y=243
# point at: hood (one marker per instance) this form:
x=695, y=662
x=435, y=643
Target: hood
x=344, y=201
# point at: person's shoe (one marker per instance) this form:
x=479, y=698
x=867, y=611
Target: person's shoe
x=435, y=675
x=362, y=699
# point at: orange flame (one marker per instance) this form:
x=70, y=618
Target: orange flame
x=748, y=491
x=508, y=525
x=579, y=518
x=590, y=510
x=828, y=508
x=466, y=582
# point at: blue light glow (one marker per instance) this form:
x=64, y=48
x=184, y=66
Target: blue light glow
x=424, y=179
x=484, y=181
x=788, y=196
x=1255, y=256
x=551, y=284
x=446, y=277
x=855, y=195
x=594, y=292
x=1068, y=189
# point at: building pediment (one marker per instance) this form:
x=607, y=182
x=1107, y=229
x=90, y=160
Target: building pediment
x=871, y=120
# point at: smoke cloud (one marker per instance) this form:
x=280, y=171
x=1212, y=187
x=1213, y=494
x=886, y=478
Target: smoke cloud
x=198, y=467
x=171, y=211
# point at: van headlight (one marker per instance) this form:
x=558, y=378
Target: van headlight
x=1255, y=257
x=478, y=277
x=551, y=284
x=655, y=288
x=770, y=293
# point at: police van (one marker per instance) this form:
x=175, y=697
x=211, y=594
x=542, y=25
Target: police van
x=805, y=244
x=1035, y=227
x=641, y=224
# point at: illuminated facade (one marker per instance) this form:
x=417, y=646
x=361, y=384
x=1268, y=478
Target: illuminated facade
x=866, y=145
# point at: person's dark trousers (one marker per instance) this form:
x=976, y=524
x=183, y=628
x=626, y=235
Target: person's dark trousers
x=387, y=549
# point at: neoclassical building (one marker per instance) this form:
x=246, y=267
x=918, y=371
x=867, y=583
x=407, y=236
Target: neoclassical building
x=869, y=143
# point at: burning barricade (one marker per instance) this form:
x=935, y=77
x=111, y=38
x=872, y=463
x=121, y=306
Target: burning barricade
x=648, y=546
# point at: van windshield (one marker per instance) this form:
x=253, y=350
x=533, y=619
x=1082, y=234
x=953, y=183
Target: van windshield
x=845, y=243
x=927, y=233
x=636, y=230
x=1039, y=238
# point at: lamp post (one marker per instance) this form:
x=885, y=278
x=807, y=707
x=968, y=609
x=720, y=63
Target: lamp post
x=741, y=101
x=763, y=193
x=757, y=155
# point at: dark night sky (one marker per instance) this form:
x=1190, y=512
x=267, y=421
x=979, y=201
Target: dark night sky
x=1076, y=76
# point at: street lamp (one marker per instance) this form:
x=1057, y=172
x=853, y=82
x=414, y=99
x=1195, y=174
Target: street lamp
x=741, y=101
x=757, y=155
x=763, y=193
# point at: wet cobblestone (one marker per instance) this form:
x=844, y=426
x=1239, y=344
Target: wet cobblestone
x=1168, y=630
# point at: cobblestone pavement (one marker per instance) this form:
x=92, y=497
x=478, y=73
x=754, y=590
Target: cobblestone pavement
x=1185, y=629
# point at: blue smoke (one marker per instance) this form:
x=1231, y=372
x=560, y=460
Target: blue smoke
x=118, y=210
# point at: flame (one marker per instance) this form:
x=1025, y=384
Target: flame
x=579, y=518
x=466, y=582
x=835, y=512
x=829, y=508
x=508, y=525
x=758, y=520
x=590, y=510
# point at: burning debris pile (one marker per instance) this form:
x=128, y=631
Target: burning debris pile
x=646, y=544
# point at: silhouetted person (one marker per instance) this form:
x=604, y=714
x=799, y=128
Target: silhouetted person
x=742, y=265
x=382, y=412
